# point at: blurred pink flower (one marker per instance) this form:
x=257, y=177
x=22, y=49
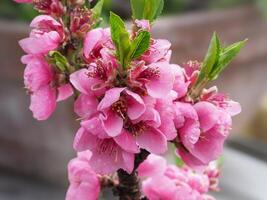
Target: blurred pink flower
x=168, y=182
x=46, y=35
x=39, y=79
x=202, y=135
x=84, y=182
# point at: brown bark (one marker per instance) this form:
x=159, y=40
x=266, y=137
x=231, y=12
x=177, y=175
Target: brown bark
x=129, y=184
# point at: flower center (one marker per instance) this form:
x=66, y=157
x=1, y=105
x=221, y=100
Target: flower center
x=97, y=70
x=120, y=108
x=135, y=129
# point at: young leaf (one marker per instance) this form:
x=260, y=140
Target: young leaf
x=226, y=56
x=211, y=58
x=147, y=9
x=140, y=44
x=121, y=39
x=124, y=49
x=138, y=8
x=97, y=10
x=117, y=26
x=152, y=9
x=59, y=60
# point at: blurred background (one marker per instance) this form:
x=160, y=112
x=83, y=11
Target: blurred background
x=34, y=155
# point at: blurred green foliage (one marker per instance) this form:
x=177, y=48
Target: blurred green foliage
x=24, y=12
x=12, y=10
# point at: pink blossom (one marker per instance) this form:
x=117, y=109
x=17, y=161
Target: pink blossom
x=202, y=143
x=94, y=43
x=46, y=35
x=38, y=79
x=159, y=51
x=122, y=112
x=107, y=155
x=157, y=79
x=117, y=105
x=221, y=101
x=162, y=181
x=192, y=70
x=84, y=182
x=95, y=79
x=181, y=83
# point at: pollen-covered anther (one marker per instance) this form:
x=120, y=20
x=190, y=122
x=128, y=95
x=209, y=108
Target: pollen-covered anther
x=120, y=108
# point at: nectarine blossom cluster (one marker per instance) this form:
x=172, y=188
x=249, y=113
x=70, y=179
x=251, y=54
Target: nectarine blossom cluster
x=130, y=99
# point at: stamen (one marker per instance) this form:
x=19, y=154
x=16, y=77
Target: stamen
x=120, y=108
x=97, y=71
x=136, y=129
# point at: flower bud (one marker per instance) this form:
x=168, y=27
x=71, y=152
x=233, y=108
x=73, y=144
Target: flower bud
x=50, y=7
x=80, y=21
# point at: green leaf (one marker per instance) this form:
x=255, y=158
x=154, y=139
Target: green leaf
x=97, y=10
x=138, y=8
x=211, y=58
x=179, y=162
x=121, y=39
x=117, y=26
x=226, y=56
x=124, y=49
x=140, y=44
x=59, y=60
x=147, y=9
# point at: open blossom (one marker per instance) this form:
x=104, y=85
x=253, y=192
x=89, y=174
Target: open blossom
x=96, y=44
x=168, y=182
x=159, y=51
x=84, y=182
x=202, y=130
x=155, y=79
x=46, y=35
x=108, y=154
x=39, y=80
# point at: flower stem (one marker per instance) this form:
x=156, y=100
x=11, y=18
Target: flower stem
x=129, y=184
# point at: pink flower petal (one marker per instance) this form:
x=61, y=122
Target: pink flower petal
x=208, y=115
x=160, y=87
x=110, y=97
x=37, y=74
x=152, y=140
x=94, y=126
x=84, y=140
x=135, y=105
x=127, y=142
x=85, y=105
x=64, y=92
x=43, y=103
x=152, y=166
x=112, y=123
x=92, y=39
x=80, y=81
